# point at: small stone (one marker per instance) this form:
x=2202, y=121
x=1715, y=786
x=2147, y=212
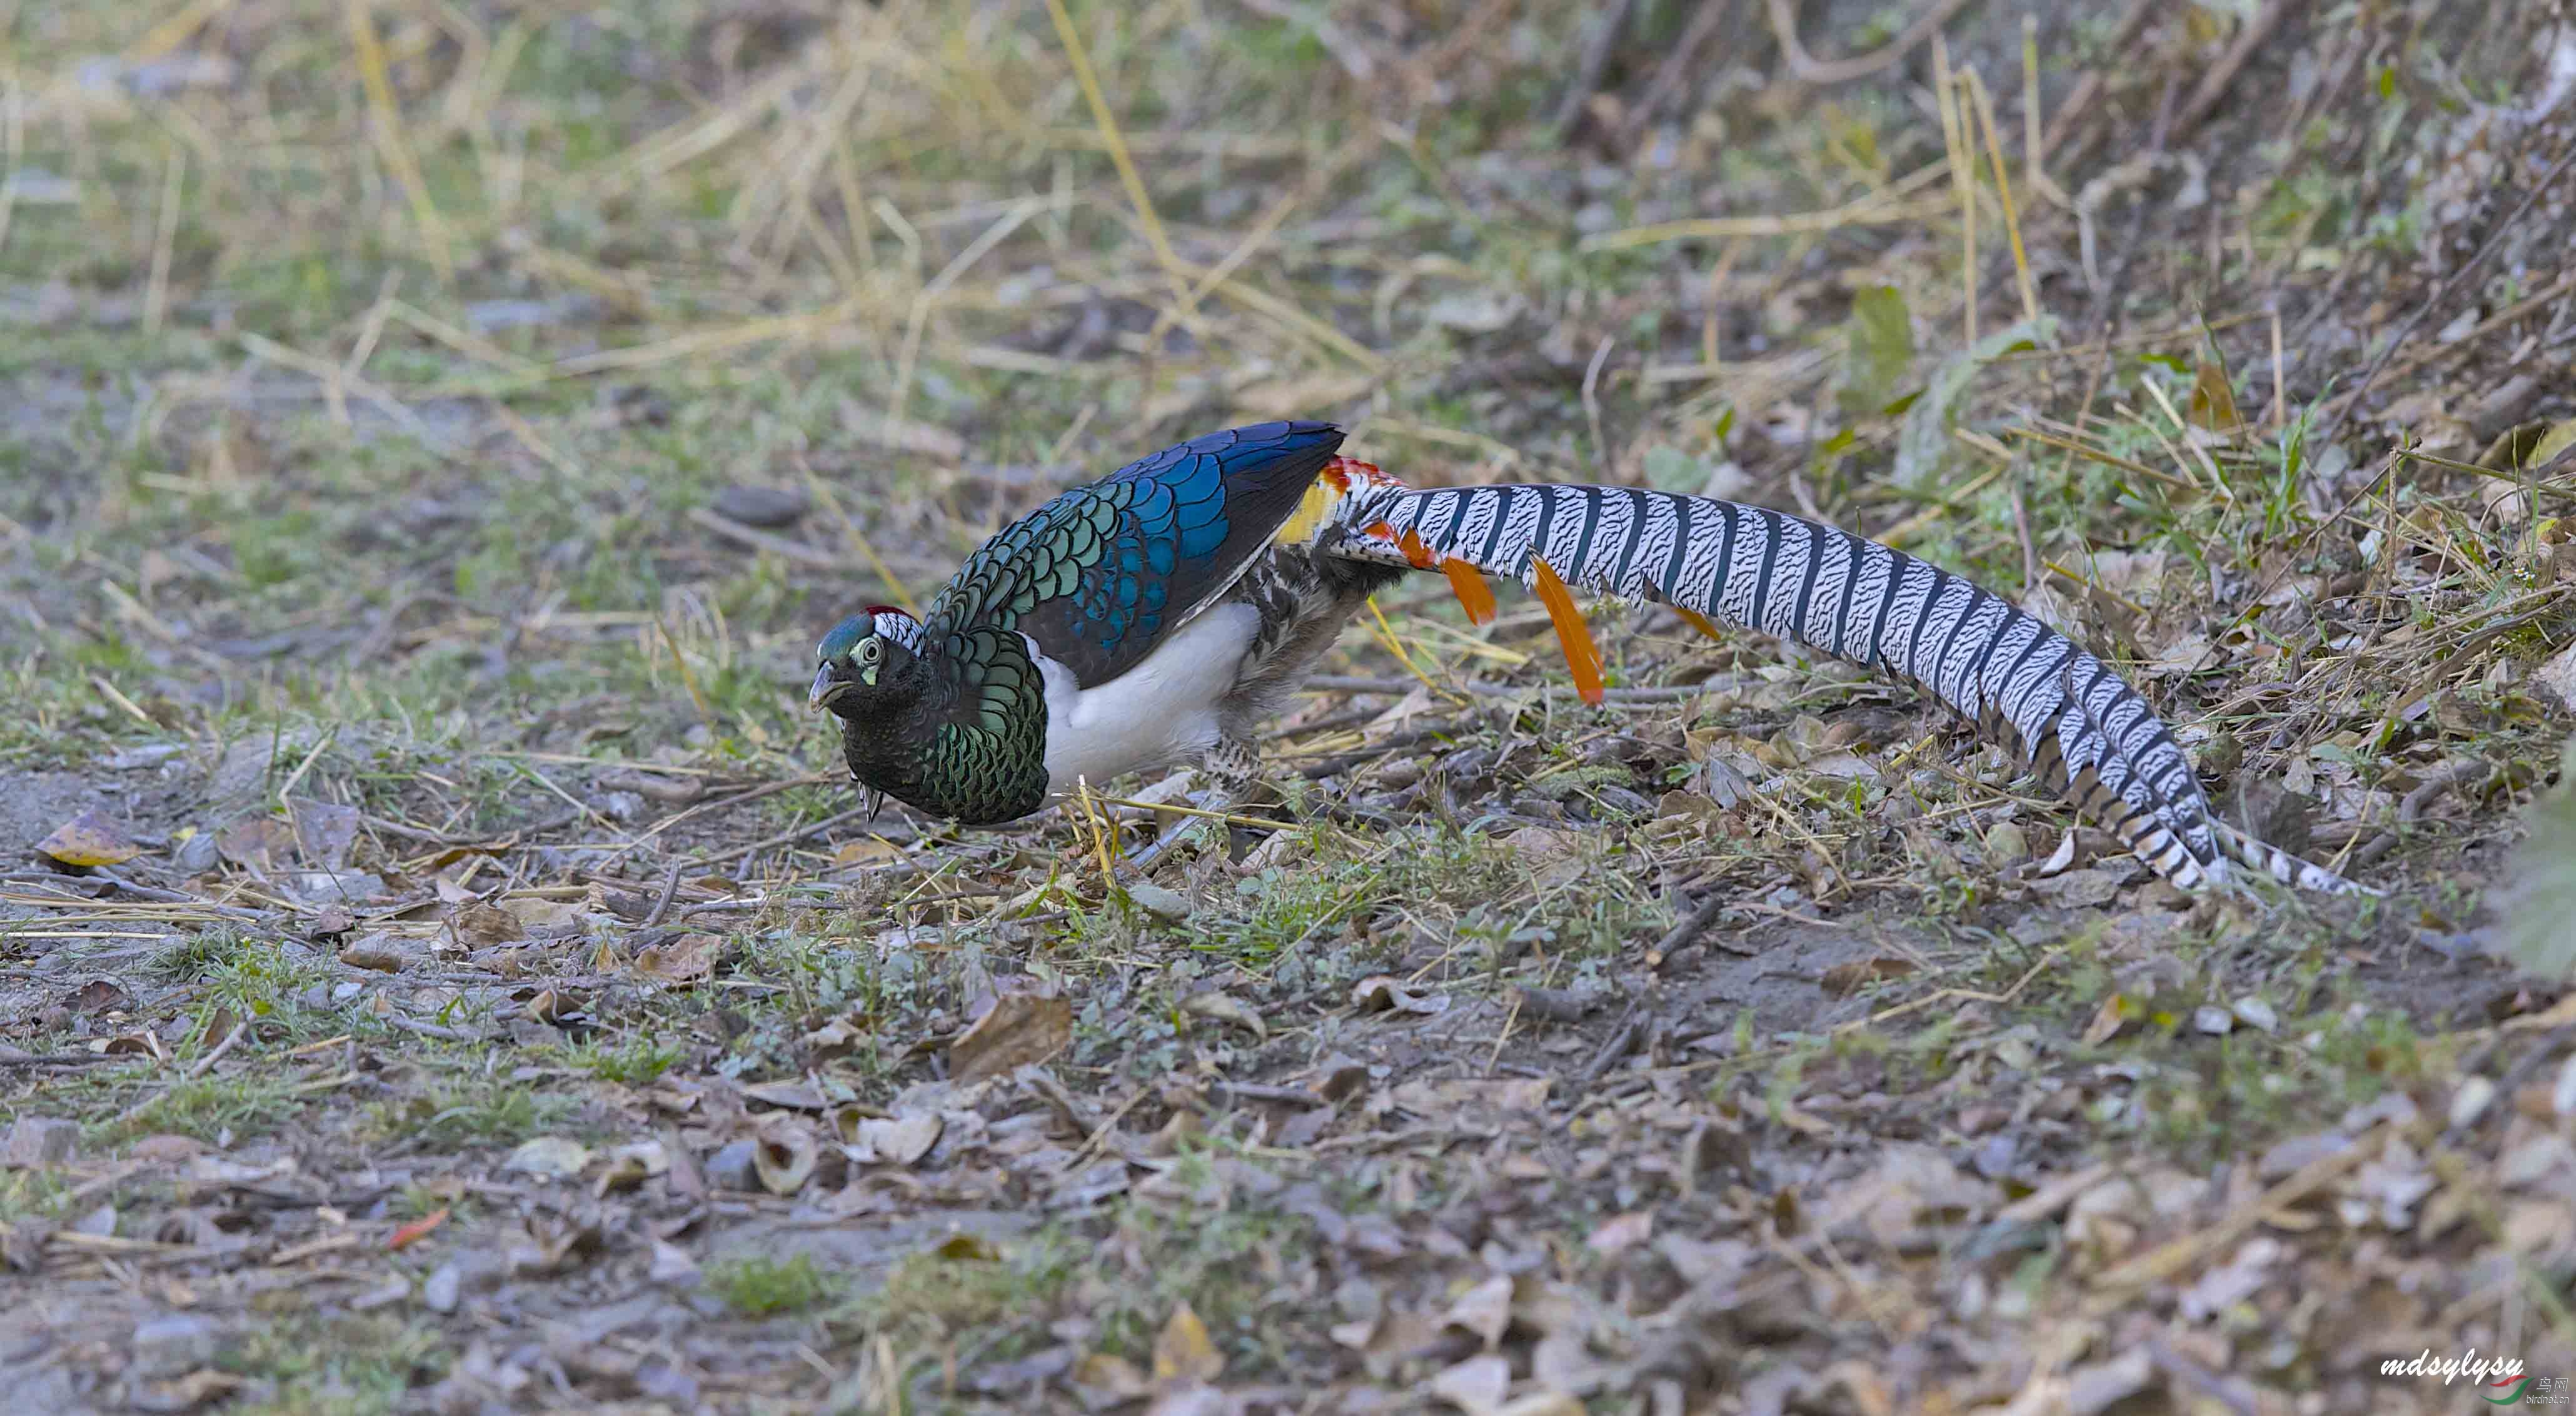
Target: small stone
x=2535, y=1160
x=2562, y=1097
x=1155, y=900
x=195, y=855
x=2471, y=1101
x=136, y=758
x=169, y=1346
x=440, y=1293
x=761, y=506
x=2255, y=1013
x=731, y=1167
x=37, y=1142
x=672, y=1265
x=323, y=887
x=2298, y=1152
x=2006, y=844
x=2098, y=1387
x=2213, y=1020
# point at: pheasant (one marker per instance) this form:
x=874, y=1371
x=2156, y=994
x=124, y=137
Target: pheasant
x=1159, y=615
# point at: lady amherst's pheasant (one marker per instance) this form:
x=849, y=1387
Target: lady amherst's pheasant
x=1158, y=615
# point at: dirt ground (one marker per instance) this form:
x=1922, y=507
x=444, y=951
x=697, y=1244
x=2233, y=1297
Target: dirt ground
x=442, y=969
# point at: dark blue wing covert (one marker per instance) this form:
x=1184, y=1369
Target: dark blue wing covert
x=1098, y=575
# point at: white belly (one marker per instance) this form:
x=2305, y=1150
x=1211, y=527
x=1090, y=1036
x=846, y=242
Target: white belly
x=1161, y=712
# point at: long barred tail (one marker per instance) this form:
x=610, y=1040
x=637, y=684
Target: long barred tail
x=2081, y=729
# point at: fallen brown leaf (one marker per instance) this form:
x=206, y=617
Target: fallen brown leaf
x=89, y=839
x=1021, y=1028
x=1182, y=1351
x=687, y=959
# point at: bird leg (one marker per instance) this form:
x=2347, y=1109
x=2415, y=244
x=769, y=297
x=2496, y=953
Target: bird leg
x=1233, y=769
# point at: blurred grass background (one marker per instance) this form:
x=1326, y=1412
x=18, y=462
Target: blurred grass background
x=392, y=357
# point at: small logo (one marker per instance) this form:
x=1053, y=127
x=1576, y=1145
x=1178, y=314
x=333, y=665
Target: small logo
x=2529, y=1391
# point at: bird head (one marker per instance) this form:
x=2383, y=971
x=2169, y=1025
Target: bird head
x=869, y=665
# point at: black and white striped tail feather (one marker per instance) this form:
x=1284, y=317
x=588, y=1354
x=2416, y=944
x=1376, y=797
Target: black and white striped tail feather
x=2084, y=731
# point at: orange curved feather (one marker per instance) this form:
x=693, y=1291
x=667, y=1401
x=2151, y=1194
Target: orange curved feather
x=1582, y=656
x=1698, y=621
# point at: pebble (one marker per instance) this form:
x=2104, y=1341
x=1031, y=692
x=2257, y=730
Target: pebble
x=37, y=1142
x=2471, y=1101
x=1155, y=900
x=440, y=1293
x=761, y=506
x=731, y=1168
x=170, y=1346
x=196, y=855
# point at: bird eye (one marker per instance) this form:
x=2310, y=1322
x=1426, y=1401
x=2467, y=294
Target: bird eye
x=870, y=650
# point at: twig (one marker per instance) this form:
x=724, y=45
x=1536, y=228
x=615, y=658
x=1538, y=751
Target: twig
x=1821, y=72
x=1623, y=1040
x=1558, y=1005
x=1690, y=927
x=207, y=1063
x=1677, y=66
x=794, y=837
x=1596, y=59
x=795, y=552
x=1344, y=761
x=1254, y=1091
x=662, y=904
x=58, y=1059
x=425, y=1029
x=2213, y=85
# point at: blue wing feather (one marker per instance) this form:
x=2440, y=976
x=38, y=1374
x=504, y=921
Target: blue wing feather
x=1099, y=574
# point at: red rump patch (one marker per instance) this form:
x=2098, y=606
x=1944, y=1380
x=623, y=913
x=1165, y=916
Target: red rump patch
x=872, y=611
x=1342, y=471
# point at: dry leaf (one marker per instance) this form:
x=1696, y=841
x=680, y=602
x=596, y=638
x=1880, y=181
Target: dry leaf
x=537, y=913
x=1621, y=1231
x=899, y=1141
x=784, y=1157
x=632, y=1165
x=866, y=850
x=481, y=926
x=1380, y=993
x=1475, y=1386
x=1446, y=1099
x=1182, y=1351
x=1843, y=980
x=1114, y=1376
x=687, y=959
x=1485, y=1310
x=2107, y=1022
x=548, y=1158
x=89, y=839
x=2213, y=403
x=794, y=1095
x=377, y=951
x=323, y=832
x=1225, y=1008
x=1021, y=1028
x=255, y=841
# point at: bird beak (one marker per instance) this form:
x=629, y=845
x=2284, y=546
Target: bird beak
x=826, y=688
